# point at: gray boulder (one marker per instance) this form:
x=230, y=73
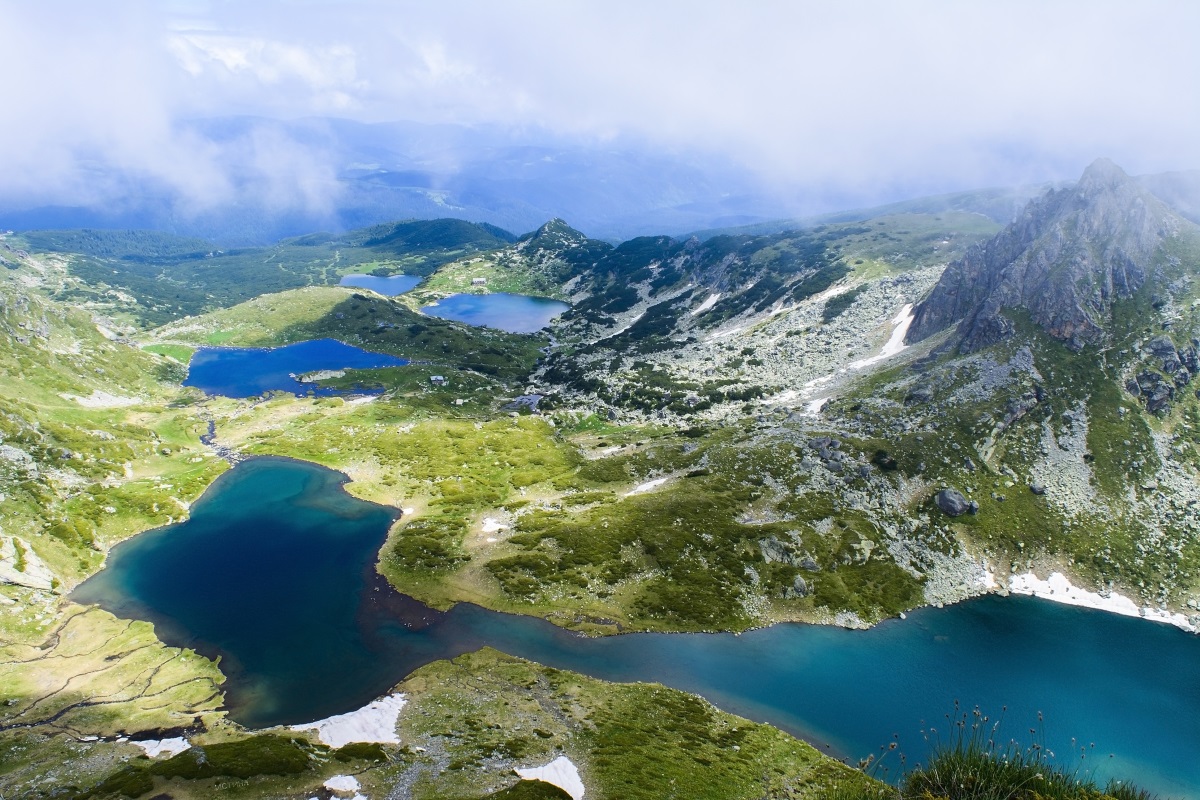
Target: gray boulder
x=1190, y=359
x=799, y=588
x=1161, y=347
x=919, y=396
x=775, y=550
x=952, y=502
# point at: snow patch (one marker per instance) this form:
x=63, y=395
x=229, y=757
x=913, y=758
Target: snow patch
x=893, y=346
x=895, y=343
x=1060, y=590
x=561, y=772
x=492, y=526
x=99, y=399
x=707, y=304
x=647, y=486
x=374, y=722
x=724, y=333
x=156, y=747
x=988, y=580
x=343, y=783
x=813, y=407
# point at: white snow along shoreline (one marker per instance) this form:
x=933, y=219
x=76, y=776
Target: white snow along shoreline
x=374, y=722
x=156, y=747
x=1060, y=590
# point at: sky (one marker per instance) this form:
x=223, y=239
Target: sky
x=853, y=97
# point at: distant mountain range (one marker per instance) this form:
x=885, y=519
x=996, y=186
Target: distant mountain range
x=293, y=177
x=273, y=179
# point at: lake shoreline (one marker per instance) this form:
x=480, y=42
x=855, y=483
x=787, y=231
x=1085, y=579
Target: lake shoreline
x=309, y=660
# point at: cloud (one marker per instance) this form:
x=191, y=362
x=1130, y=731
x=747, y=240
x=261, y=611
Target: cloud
x=855, y=99
x=254, y=71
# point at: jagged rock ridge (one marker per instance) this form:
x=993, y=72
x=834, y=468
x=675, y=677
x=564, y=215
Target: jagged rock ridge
x=1069, y=255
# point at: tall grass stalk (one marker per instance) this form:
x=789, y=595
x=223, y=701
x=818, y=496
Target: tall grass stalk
x=976, y=763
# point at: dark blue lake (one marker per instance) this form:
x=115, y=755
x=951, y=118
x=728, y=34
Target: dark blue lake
x=275, y=573
x=250, y=371
x=389, y=286
x=515, y=313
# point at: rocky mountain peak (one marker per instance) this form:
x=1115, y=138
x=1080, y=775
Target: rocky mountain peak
x=553, y=235
x=1068, y=256
x=1101, y=174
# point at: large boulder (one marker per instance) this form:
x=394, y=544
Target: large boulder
x=798, y=588
x=774, y=550
x=1161, y=347
x=952, y=502
x=920, y=395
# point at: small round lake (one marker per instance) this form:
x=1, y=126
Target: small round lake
x=389, y=286
x=274, y=572
x=251, y=371
x=515, y=313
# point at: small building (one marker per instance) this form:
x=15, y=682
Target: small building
x=479, y=281
x=437, y=380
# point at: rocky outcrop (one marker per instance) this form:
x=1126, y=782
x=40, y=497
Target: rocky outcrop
x=799, y=588
x=1065, y=260
x=20, y=566
x=774, y=550
x=1169, y=371
x=952, y=502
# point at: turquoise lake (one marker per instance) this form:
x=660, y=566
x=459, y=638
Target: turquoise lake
x=389, y=286
x=515, y=313
x=274, y=572
x=251, y=371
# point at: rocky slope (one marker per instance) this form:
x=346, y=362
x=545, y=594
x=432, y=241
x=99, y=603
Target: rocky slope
x=1062, y=414
x=1066, y=259
x=733, y=433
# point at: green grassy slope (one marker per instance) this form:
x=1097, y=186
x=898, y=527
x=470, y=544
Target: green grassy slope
x=361, y=319
x=152, y=278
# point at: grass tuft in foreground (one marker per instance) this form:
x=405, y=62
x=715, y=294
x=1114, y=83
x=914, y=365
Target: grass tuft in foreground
x=976, y=765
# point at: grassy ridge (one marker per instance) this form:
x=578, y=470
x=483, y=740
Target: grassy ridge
x=153, y=278
x=364, y=320
x=470, y=722
x=574, y=548
x=628, y=740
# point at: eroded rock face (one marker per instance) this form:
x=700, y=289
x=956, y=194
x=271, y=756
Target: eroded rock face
x=1066, y=259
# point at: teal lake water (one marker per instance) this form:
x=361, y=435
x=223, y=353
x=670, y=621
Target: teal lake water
x=251, y=371
x=389, y=286
x=515, y=313
x=275, y=573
